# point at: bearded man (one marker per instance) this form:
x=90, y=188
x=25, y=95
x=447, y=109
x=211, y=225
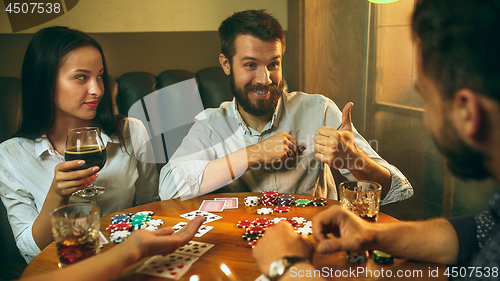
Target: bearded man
x=267, y=139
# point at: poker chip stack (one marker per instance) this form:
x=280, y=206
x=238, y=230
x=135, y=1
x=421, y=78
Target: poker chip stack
x=302, y=202
x=138, y=221
x=382, y=258
x=269, y=198
x=252, y=201
x=122, y=224
x=285, y=200
x=319, y=202
x=120, y=218
x=254, y=229
x=357, y=257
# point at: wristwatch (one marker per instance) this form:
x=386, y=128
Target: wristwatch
x=280, y=265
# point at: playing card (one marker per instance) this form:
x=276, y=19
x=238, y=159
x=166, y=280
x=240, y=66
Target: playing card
x=169, y=266
x=201, y=231
x=231, y=202
x=209, y=217
x=194, y=248
x=102, y=239
x=212, y=206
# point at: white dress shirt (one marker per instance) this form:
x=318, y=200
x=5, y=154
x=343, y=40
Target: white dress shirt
x=222, y=131
x=27, y=170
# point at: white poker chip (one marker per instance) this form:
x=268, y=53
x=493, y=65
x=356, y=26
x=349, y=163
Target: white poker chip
x=299, y=220
x=119, y=236
x=148, y=213
x=151, y=227
x=155, y=222
x=264, y=211
x=277, y=220
x=308, y=224
x=304, y=230
x=252, y=201
x=140, y=226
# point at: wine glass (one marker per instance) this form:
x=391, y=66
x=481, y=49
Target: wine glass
x=86, y=144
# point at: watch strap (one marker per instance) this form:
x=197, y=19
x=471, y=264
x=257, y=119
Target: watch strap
x=288, y=261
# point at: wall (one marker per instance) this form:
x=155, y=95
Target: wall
x=150, y=36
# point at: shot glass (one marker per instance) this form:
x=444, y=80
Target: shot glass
x=76, y=232
x=362, y=198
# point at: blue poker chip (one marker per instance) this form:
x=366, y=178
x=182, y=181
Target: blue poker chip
x=285, y=200
x=120, y=218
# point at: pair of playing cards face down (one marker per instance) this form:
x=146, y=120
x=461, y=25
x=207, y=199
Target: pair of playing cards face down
x=176, y=264
x=219, y=204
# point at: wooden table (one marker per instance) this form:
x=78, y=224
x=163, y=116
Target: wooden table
x=232, y=250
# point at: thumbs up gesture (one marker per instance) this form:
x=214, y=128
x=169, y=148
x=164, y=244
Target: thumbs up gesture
x=337, y=147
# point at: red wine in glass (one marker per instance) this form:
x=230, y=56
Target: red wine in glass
x=86, y=144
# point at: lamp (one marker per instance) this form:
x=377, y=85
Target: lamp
x=382, y=1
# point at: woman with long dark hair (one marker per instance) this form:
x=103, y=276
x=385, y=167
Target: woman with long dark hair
x=65, y=86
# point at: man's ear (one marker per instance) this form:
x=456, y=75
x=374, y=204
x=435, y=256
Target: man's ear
x=224, y=62
x=467, y=113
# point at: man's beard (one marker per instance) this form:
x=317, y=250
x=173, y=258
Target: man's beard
x=465, y=162
x=263, y=106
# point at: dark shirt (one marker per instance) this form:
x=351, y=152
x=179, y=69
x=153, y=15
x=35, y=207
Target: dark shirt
x=479, y=239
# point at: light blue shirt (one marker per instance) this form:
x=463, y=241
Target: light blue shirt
x=222, y=131
x=27, y=170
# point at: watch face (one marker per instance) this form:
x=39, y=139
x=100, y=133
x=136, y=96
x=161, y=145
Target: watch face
x=277, y=268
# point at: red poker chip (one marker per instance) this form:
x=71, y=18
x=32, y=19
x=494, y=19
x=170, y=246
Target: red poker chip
x=261, y=221
x=282, y=209
x=256, y=229
x=244, y=224
x=252, y=244
x=119, y=226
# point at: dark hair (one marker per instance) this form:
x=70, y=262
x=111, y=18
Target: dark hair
x=38, y=75
x=460, y=44
x=256, y=23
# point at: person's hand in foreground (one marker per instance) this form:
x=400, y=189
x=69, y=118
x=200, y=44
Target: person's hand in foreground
x=353, y=233
x=280, y=241
x=139, y=244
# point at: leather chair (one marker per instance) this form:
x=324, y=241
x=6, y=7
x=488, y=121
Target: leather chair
x=12, y=263
x=10, y=107
x=213, y=85
x=213, y=88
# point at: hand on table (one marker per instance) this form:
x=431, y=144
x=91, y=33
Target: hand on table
x=280, y=241
x=163, y=240
x=331, y=144
x=353, y=233
x=67, y=182
x=275, y=149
